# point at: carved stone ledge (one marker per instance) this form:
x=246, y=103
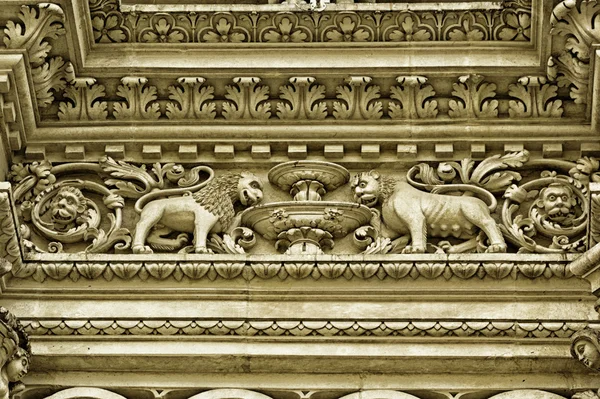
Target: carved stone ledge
x=481, y=329
x=282, y=267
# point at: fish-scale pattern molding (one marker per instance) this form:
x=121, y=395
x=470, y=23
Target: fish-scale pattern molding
x=303, y=328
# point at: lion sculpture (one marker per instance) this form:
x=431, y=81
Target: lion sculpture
x=209, y=210
x=411, y=213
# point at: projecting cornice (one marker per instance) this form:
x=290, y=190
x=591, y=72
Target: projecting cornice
x=89, y=72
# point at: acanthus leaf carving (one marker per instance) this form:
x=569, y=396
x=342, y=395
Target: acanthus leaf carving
x=414, y=96
x=359, y=100
x=303, y=100
x=476, y=98
x=577, y=21
x=535, y=99
x=140, y=101
x=192, y=100
x=248, y=100
x=47, y=78
x=86, y=103
x=38, y=24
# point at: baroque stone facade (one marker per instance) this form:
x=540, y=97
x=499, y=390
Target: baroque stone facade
x=299, y=199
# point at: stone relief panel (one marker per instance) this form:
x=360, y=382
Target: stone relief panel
x=504, y=203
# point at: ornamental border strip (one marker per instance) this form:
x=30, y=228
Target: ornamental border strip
x=313, y=269
x=302, y=328
x=512, y=22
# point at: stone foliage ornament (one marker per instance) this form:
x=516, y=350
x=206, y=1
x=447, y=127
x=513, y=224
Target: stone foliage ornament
x=15, y=354
x=67, y=211
x=305, y=24
x=585, y=347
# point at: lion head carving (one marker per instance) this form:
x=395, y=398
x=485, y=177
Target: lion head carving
x=371, y=187
x=67, y=207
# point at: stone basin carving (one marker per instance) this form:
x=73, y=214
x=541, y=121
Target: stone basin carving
x=307, y=224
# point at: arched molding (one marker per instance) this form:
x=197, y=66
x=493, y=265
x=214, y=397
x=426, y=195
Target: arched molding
x=379, y=394
x=527, y=394
x=85, y=393
x=230, y=394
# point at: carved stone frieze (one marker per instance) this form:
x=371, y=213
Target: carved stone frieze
x=106, y=207
x=291, y=24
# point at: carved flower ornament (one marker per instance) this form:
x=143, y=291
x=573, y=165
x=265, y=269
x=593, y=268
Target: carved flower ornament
x=106, y=29
x=162, y=33
x=347, y=33
x=409, y=33
x=519, y=27
x=286, y=33
x=223, y=34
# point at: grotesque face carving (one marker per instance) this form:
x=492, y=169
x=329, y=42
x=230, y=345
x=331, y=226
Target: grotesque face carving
x=67, y=205
x=366, y=188
x=249, y=189
x=587, y=353
x=558, y=201
x=17, y=367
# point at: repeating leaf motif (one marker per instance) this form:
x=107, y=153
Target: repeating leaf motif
x=359, y=100
x=86, y=102
x=48, y=78
x=414, y=97
x=139, y=100
x=247, y=100
x=302, y=97
x=535, y=98
x=191, y=100
x=474, y=97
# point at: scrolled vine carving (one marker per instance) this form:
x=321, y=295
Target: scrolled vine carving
x=553, y=206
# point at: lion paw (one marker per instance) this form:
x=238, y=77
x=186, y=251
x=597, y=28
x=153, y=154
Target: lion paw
x=496, y=248
x=409, y=249
x=202, y=250
x=141, y=249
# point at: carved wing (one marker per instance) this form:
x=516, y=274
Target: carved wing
x=9, y=343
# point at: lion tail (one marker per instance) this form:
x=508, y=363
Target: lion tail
x=481, y=193
x=144, y=199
